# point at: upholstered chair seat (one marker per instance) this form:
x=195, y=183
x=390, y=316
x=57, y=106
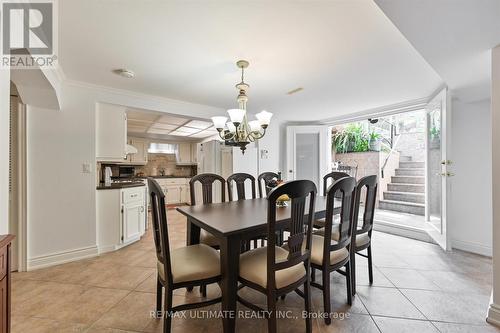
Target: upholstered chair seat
x=208, y=238
x=192, y=263
x=253, y=268
x=361, y=239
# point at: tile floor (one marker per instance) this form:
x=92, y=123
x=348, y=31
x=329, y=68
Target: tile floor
x=417, y=288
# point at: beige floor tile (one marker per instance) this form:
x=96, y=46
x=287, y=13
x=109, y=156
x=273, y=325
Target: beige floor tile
x=408, y=278
x=400, y=325
x=22, y=324
x=353, y=323
x=134, y=312
x=449, y=307
x=387, y=302
x=462, y=328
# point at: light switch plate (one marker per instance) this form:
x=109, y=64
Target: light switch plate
x=86, y=168
x=264, y=154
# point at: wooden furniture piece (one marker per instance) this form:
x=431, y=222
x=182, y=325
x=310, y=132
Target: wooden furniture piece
x=207, y=181
x=180, y=268
x=367, y=185
x=231, y=223
x=265, y=177
x=239, y=179
x=5, y=294
x=332, y=255
x=334, y=176
x=274, y=271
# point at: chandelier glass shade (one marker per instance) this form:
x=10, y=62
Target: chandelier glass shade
x=238, y=131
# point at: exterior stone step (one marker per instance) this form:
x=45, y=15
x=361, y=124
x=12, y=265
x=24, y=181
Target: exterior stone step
x=403, y=207
x=408, y=179
x=411, y=164
x=405, y=196
x=410, y=172
x=413, y=188
x=403, y=158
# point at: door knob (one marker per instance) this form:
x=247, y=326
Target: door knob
x=446, y=162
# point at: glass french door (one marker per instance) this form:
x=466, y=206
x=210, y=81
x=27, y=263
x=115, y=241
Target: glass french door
x=308, y=153
x=438, y=167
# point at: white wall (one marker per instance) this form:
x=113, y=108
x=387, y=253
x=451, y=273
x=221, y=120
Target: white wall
x=271, y=143
x=470, y=219
x=4, y=149
x=61, y=199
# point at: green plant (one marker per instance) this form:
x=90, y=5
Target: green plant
x=353, y=138
x=374, y=136
x=435, y=132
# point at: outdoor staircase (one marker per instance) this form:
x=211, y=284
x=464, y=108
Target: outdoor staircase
x=406, y=191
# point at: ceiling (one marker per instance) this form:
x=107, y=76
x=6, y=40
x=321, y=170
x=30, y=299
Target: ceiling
x=454, y=36
x=346, y=55
x=144, y=123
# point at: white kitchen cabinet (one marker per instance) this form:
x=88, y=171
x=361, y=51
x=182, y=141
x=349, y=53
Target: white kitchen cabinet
x=184, y=153
x=141, y=157
x=133, y=221
x=121, y=217
x=194, y=153
x=173, y=194
x=176, y=189
x=111, y=133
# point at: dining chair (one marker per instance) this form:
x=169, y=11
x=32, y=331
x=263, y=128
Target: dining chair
x=334, y=176
x=328, y=255
x=207, y=181
x=276, y=271
x=180, y=268
x=367, y=185
x=265, y=177
x=239, y=179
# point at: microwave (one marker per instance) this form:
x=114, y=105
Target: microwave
x=126, y=171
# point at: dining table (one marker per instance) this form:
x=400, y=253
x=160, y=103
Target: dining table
x=232, y=223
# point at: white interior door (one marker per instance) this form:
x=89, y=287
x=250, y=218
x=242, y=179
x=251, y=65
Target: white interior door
x=438, y=166
x=308, y=153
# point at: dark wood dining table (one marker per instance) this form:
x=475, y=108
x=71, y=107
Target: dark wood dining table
x=231, y=223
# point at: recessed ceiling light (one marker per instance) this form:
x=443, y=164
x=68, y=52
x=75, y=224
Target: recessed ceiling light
x=296, y=90
x=124, y=72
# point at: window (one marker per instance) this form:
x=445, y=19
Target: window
x=163, y=148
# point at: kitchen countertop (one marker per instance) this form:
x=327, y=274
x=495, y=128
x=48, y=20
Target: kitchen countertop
x=117, y=186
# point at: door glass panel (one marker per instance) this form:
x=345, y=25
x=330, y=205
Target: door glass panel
x=434, y=166
x=307, y=156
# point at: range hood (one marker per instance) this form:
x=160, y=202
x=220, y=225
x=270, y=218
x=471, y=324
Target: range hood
x=130, y=149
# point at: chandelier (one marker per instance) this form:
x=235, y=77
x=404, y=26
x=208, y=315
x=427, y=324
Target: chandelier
x=239, y=131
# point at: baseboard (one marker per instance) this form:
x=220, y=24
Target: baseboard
x=471, y=247
x=61, y=257
x=493, y=314
x=402, y=230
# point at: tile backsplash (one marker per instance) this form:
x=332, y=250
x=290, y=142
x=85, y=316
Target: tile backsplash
x=167, y=163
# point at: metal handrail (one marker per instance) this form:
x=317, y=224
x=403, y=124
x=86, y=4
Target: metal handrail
x=393, y=149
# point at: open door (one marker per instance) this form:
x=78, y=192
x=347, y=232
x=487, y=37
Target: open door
x=308, y=153
x=438, y=166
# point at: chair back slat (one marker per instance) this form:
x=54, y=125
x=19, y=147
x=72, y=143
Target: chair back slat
x=239, y=179
x=302, y=194
x=342, y=190
x=160, y=228
x=368, y=185
x=207, y=181
x=334, y=176
x=265, y=177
